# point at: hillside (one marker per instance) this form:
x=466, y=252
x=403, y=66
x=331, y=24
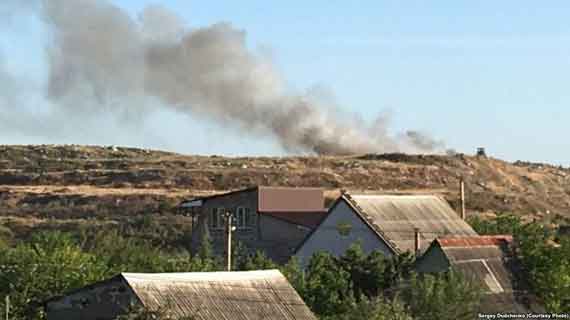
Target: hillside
x=70, y=186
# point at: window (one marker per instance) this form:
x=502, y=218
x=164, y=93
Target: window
x=243, y=218
x=217, y=219
x=344, y=228
x=240, y=218
x=249, y=218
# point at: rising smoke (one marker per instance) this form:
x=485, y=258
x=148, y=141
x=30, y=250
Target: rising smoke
x=103, y=61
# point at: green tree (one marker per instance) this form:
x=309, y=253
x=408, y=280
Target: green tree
x=376, y=309
x=257, y=261
x=445, y=296
x=122, y=254
x=373, y=273
x=295, y=274
x=547, y=266
x=205, y=260
x=502, y=224
x=328, y=289
x=49, y=265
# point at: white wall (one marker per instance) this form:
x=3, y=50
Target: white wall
x=328, y=238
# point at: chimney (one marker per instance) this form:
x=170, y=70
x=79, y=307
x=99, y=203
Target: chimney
x=417, y=241
x=462, y=198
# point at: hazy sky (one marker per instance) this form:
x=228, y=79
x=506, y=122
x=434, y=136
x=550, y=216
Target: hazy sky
x=472, y=73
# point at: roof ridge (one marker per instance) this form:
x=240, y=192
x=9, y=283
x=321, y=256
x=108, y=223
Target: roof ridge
x=371, y=222
x=200, y=272
x=203, y=276
x=398, y=195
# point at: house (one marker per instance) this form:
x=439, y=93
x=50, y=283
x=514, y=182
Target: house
x=201, y=296
x=487, y=260
x=274, y=220
x=392, y=224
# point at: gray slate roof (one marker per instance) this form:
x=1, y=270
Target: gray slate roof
x=245, y=295
x=488, y=260
x=394, y=218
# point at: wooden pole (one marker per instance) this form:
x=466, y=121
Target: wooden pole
x=229, y=235
x=462, y=197
x=7, y=307
x=417, y=241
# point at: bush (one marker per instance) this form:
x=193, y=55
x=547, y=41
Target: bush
x=328, y=289
x=370, y=286
x=502, y=224
x=546, y=264
x=446, y=296
x=376, y=309
x=49, y=265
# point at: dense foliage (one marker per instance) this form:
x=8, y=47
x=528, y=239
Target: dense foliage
x=544, y=255
x=52, y=263
x=370, y=286
x=354, y=286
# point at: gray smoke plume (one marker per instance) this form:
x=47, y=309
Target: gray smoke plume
x=423, y=141
x=102, y=60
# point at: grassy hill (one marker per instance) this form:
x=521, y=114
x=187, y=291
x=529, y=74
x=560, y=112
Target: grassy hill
x=73, y=187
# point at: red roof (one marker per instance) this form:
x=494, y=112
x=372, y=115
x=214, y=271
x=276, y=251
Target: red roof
x=277, y=199
x=302, y=206
x=475, y=241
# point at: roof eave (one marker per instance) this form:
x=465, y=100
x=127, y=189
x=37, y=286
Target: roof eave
x=206, y=198
x=395, y=250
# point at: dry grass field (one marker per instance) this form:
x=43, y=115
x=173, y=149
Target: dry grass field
x=67, y=187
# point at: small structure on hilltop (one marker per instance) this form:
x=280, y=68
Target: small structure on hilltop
x=392, y=224
x=274, y=220
x=488, y=261
x=200, y=296
x=481, y=152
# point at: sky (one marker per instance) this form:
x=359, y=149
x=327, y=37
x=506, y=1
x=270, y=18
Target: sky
x=491, y=74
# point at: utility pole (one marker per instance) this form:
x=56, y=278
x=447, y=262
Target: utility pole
x=7, y=307
x=462, y=197
x=417, y=242
x=229, y=230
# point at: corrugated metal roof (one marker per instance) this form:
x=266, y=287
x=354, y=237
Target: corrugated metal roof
x=395, y=217
x=481, y=258
x=471, y=253
x=488, y=260
x=479, y=271
x=278, y=199
x=221, y=295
